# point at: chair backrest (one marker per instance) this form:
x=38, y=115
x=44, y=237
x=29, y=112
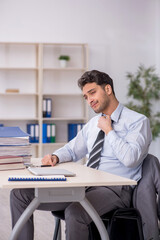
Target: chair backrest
x=145, y=196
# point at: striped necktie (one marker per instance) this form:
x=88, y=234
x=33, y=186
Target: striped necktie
x=95, y=154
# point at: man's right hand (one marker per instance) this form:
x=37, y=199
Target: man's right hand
x=50, y=160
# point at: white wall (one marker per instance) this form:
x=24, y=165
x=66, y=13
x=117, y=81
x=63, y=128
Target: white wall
x=121, y=33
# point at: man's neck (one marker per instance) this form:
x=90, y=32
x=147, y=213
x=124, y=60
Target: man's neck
x=112, y=107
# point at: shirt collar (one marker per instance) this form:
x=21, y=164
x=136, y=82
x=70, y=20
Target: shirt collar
x=117, y=113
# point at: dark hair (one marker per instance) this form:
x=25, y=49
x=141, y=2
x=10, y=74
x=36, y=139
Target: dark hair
x=100, y=78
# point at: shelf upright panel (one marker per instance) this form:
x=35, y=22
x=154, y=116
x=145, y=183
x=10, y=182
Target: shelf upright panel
x=40, y=82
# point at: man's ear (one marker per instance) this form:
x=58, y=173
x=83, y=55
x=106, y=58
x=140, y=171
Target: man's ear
x=108, y=89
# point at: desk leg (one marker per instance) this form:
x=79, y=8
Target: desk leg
x=24, y=218
x=96, y=218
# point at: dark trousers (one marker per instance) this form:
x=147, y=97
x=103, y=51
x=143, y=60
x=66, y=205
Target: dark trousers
x=103, y=199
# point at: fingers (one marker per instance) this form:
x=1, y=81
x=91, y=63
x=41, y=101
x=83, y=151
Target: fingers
x=54, y=161
x=46, y=160
x=104, y=123
x=49, y=160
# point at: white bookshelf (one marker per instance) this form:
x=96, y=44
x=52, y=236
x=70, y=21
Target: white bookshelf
x=34, y=69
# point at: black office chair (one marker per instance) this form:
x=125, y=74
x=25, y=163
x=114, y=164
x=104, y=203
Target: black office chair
x=121, y=224
x=58, y=216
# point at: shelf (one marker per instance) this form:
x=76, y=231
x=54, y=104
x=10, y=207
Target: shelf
x=54, y=144
x=63, y=69
x=65, y=119
x=19, y=94
x=19, y=119
x=63, y=94
x=67, y=44
x=34, y=69
x=19, y=68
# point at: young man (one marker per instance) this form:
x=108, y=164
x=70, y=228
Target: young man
x=126, y=139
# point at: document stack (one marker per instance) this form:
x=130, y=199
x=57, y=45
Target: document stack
x=15, y=149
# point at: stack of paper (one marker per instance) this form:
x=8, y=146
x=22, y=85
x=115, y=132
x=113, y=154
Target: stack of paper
x=15, y=149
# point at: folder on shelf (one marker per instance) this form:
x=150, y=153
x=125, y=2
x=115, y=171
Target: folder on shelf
x=53, y=133
x=48, y=107
x=73, y=129
x=33, y=130
x=36, y=178
x=44, y=133
x=36, y=130
x=44, y=107
x=48, y=133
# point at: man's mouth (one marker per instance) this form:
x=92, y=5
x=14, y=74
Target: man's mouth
x=93, y=105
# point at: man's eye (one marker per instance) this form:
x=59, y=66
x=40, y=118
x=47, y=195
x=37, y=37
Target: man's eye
x=93, y=92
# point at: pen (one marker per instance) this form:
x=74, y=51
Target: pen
x=46, y=166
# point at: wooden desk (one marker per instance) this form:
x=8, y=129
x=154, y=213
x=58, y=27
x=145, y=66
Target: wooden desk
x=72, y=190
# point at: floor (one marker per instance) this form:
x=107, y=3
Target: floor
x=44, y=221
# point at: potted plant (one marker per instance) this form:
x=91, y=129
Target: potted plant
x=144, y=88
x=63, y=60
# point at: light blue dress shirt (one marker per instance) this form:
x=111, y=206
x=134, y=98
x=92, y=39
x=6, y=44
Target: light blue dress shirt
x=125, y=147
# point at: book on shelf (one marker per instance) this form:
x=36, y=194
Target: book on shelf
x=12, y=90
x=73, y=129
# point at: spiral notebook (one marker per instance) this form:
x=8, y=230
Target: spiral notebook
x=36, y=178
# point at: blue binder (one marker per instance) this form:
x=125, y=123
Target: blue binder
x=44, y=132
x=31, y=132
x=48, y=107
x=73, y=129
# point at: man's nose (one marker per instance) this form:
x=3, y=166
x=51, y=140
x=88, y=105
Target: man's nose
x=90, y=100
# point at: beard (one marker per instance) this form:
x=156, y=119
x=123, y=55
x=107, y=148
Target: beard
x=103, y=104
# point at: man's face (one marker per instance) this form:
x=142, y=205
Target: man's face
x=96, y=97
